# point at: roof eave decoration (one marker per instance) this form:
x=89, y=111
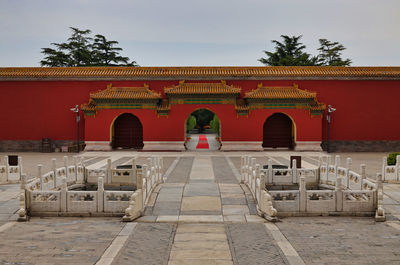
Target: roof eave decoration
x=202, y=93
x=122, y=98
x=284, y=97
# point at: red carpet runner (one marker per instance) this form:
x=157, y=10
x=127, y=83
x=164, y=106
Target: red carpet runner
x=203, y=143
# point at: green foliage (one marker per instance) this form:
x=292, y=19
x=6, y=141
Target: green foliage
x=203, y=117
x=291, y=52
x=391, y=160
x=82, y=50
x=215, y=124
x=190, y=123
x=330, y=53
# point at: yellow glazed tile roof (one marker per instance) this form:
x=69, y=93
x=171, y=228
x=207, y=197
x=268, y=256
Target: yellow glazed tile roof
x=279, y=92
x=126, y=93
x=202, y=88
x=149, y=73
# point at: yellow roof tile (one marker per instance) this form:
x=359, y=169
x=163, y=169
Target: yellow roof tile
x=149, y=73
x=279, y=93
x=202, y=88
x=126, y=93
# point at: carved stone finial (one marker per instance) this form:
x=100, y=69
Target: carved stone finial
x=260, y=85
x=109, y=86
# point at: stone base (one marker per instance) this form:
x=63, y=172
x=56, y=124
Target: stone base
x=308, y=146
x=241, y=146
x=163, y=146
x=362, y=146
x=31, y=145
x=98, y=146
x=132, y=217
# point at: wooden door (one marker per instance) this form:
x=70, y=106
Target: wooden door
x=277, y=131
x=128, y=132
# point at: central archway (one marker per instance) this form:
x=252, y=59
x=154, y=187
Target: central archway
x=202, y=130
x=278, y=131
x=127, y=132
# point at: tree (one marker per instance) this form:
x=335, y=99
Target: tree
x=190, y=123
x=290, y=52
x=82, y=50
x=214, y=124
x=330, y=53
x=106, y=54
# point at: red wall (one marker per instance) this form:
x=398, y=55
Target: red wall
x=31, y=110
x=172, y=128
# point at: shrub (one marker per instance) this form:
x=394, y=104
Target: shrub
x=214, y=124
x=190, y=123
x=391, y=160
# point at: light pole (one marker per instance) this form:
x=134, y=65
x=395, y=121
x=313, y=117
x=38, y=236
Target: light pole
x=76, y=110
x=328, y=118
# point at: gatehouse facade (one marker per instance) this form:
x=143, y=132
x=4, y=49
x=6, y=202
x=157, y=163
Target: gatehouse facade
x=147, y=107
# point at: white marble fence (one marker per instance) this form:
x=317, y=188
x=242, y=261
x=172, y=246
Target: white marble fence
x=391, y=173
x=148, y=178
x=10, y=174
x=340, y=190
x=54, y=194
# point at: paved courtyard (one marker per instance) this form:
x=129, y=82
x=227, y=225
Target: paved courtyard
x=200, y=215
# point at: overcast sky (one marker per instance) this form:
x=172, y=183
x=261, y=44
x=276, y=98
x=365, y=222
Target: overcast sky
x=204, y=32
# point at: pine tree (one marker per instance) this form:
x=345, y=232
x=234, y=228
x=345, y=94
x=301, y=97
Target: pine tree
x=82, y=50
x=330, y=53
x=290, y=52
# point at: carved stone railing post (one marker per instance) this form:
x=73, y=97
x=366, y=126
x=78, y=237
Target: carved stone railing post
x=65, y=160
x=109, y=172
x=303, y=194
x=40, y=176
x=133, y=176
x=270, y=172
x=294, y=171
x=53, y=168
x=337, y=164
x=242, y=166
x=384, y=164
x=339, y=194
x=100, y=194
x=23, y=211
x=348, y=168
x=7, y=169
x=63, y=194
x=397, y=169
x=76, y=168
x=256, y=176
x=363, y=175
x=380, y=212
x=20, y=167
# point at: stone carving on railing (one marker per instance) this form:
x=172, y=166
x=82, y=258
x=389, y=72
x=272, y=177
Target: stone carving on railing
x=391, y=173
x=147, y=179
x=343, y=190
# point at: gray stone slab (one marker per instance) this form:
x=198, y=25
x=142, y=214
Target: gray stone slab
x=166, y=208
x=201, y=189
x=150, y=244
x=222, y=171
x=118, y=162
x=200, y=213
x=169, y=197
x=95, y=160
x=233, y=201
x=181, y=172
x=252, y=208
x=251, y=244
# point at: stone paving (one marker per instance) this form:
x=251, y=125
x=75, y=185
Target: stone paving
x=201, y=215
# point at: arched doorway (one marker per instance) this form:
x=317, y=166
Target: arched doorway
x=128, y=132
x=278, y=131
x=202, y=131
